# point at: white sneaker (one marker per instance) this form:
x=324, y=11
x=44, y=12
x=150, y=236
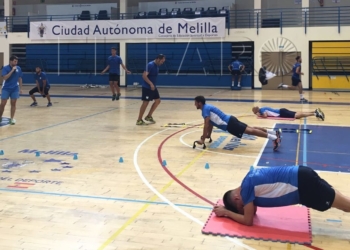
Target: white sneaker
x=12, y=122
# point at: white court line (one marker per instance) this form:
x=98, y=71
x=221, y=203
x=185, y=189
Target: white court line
x=146, y=182
x=262, y=150
x=198, y=147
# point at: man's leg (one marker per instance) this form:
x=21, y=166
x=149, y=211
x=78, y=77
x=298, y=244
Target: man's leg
x=13, y=111
x=111, y=85
x=46, y=92
x=2, y=108
x=341, y=202
x=142, y=112
x=239, y=78
x=275, y=136
x=299, y=115
x=31, y=93
x=156, y=98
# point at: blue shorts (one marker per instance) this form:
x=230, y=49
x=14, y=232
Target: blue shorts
x=13, y=94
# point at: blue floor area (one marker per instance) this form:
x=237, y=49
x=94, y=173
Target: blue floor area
x=324, y=149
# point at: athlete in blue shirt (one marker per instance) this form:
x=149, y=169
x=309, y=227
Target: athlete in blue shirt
x=149, y=89
x=296, y=79
x=215, y=117
x=42, y=87
x=277, y=187
x=236, y=68
x=285, y=113
x=11, y=87
x=114, y=62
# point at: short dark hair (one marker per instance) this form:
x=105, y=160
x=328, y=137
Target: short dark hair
x=13, y=58
x=229, y=205
x=200, y=99
x=160, y=56
x=297, y=58
x=114, y=48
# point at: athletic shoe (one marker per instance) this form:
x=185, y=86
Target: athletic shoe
x=278, y=134
x=117, y=97
x=141, y=122
x=150, y=119
x=303, y=100
x=276, y=144
x=280, y=86
x=49, y=104
x=12, y=122
x=321, y=112
x=34, y=104
x=114, y=97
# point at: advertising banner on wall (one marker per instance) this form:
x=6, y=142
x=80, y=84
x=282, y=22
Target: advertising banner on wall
x=3, y=29
x=129, y=29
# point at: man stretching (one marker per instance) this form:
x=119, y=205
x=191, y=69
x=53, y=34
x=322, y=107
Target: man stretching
x=285, y=113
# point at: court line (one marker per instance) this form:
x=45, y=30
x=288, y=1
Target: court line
x=298, y=145
x=154, y=197
x=101, y=198
x=262, y=150
x=66, y=122
x=192, y=99
x=305, y=144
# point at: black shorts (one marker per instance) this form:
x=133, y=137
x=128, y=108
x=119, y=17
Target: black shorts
x=295, y=81
x=236, y=72
x=314, y=192
x=285, y=113
x=235, y=127
x=114, y=78
x=149, y=95
x=36, y=90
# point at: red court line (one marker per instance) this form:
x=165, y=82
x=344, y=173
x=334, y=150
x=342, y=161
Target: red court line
x=166, y=169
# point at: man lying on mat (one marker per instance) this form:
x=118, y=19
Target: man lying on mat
x=277, y=187
x=285, y=113
x=215, y=117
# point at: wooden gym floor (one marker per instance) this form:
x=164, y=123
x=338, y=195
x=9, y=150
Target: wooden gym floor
x=53, y=201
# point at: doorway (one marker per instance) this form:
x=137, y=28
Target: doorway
x=280, y=63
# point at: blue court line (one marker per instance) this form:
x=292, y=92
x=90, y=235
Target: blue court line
x=305, y=144
x=331, y=220
x=103, y=198
x=62, y=123
x=192, y=99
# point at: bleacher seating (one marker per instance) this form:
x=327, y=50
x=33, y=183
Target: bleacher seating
x=185, y=13
x=85, y=15
x=103, y=15
x=331, y=66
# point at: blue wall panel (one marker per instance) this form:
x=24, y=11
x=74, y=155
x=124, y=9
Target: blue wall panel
x=201, y=64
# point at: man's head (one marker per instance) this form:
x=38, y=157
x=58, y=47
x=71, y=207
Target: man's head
x=38, y=70
x=233, y=201
x=13, y=61
x=298, y=59
x=255, y=110
x=113, y=51
x=199, y=101
x=160, y=59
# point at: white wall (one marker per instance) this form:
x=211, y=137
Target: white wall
x=295, y=35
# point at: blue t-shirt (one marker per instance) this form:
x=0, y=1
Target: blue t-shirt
x=295, y=75
x=217, y=117
x=236, y=65
x=40, y=78
x=271, y=187
x=114, y=64
x=153, y=70
x=12, y=82
x=269, y=111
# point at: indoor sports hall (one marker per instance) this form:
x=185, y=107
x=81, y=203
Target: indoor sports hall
x=84, y=173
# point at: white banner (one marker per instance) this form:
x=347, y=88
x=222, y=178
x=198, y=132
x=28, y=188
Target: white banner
x=3, y=29
x=129, y=29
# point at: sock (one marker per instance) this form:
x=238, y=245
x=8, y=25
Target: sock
x=301, y=96
x=239, y=83
x=271, y=131
x=271, y=137
x=233, y=83
x=285, y=86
